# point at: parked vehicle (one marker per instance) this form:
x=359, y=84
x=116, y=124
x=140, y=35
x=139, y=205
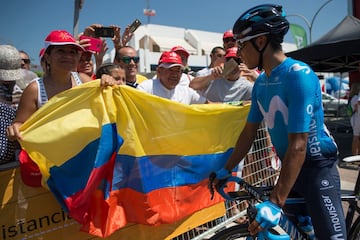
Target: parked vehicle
x=334, y=106
x=337, y=87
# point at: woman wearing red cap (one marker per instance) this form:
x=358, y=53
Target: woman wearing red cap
x=61, y=55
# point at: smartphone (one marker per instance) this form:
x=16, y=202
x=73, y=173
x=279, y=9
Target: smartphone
x=134, y=25
x=95, y=44
x=107, y=32
x=229, y=66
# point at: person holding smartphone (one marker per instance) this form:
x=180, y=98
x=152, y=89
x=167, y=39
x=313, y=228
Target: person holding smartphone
x=126, y=36
x=235, y=85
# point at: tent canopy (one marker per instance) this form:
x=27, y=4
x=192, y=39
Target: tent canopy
x=336, y=51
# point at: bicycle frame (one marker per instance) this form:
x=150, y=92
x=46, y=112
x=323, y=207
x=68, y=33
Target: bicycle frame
x=260, y=194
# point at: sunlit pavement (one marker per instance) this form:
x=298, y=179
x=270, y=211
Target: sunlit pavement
x=348, y=177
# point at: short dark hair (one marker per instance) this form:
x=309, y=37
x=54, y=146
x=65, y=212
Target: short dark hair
x=275, y=41
x=215, y=49
x=117, y=52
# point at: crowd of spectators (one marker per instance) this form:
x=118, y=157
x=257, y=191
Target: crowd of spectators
x=68, y=61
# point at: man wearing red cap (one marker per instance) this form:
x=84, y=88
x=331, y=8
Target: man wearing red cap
x=228, y=83
x=167, y=85
x=228, y=39
x=184, y=54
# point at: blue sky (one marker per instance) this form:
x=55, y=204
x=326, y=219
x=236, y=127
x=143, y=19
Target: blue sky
x=26, y=23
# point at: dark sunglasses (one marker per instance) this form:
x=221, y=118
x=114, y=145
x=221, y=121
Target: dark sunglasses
x=237, y=60
x=26, y=61
x=230, y=39
x=127, y=59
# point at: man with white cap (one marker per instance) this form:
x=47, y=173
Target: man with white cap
x=166, y=84
x=10, y=72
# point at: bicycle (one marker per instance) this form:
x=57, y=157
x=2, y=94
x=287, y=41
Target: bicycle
x=286, y=229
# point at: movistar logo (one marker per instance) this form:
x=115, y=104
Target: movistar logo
x=274, y=218
x=298, y=67
x=276, y=104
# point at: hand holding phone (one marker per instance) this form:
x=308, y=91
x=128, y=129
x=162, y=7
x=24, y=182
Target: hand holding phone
x=134, y=25
x=229, y=66
x=107, y=32
x=95, y=44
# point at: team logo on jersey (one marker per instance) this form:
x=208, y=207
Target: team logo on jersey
x=325, y=183
x=276, y=104
x=297, y=67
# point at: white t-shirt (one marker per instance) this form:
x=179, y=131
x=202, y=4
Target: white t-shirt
x=222, y=90
x=184, y=80
x=181, y=93
x=204, y=72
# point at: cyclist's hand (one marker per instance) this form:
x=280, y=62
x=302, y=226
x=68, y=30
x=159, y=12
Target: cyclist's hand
x=217, y=180
x=268, y=216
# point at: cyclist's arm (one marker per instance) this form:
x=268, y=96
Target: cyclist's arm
x=291, y=166
x=243, y=145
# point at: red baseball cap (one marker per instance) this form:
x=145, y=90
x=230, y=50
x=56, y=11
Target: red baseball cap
x=231, y=52
x=170, y=59
x=60, y=38
x=228, y=34
x=41, y=53
x=180, y=49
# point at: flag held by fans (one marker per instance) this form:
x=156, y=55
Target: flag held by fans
x=116, y=156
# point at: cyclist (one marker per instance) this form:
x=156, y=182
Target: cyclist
x=287, y=95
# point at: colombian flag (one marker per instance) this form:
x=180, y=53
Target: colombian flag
x=115, y=156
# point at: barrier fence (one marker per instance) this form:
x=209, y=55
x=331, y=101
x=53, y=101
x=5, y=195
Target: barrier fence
x=260, y=167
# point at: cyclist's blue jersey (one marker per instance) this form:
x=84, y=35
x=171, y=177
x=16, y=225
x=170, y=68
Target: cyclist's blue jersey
x=290, y=102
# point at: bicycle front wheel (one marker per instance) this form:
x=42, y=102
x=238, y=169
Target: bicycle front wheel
x=354, y=233
x=233, y=233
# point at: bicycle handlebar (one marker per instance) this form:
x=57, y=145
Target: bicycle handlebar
x=257, y=193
